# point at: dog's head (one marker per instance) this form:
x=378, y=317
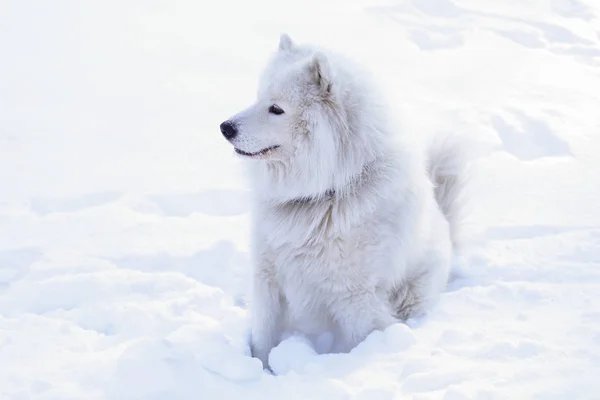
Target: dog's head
x=304, y=134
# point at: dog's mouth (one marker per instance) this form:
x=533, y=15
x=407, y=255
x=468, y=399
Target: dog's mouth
x=258, y=153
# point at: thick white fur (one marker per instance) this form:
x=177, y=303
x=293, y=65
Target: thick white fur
x=350, y=233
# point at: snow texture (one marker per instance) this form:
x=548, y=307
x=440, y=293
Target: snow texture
x=124, y=268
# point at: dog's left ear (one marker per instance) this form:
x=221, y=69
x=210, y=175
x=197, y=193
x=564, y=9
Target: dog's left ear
x=285, y=42
x=320, y=71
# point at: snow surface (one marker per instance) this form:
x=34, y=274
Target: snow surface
x=124, y=270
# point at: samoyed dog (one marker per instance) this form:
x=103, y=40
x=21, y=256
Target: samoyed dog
x=352, y=230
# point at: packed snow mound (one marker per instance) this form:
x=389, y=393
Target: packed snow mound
x=124, y=267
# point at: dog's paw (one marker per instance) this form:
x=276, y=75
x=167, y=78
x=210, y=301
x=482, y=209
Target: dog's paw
x=260, y=352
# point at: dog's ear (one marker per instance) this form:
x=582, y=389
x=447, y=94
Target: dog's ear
x=320, y=71
x=285, y=42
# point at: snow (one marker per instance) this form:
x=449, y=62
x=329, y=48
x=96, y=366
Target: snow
x=124, y=269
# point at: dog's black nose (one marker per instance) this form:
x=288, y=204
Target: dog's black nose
x=228, y=130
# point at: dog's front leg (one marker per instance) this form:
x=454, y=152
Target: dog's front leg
x=267, y=314
x=357, y=315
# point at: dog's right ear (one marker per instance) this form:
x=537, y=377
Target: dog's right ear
x=285, y=42
x=321, y=73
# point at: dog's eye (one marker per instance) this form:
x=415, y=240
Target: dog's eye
x=275, y=109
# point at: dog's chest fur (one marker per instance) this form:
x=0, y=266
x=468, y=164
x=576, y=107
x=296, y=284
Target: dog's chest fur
x=318, y=250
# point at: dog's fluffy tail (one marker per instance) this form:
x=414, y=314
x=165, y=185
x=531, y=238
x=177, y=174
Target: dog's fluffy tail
x=448, y=170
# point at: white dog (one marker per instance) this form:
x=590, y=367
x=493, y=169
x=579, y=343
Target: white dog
x=351, y=233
